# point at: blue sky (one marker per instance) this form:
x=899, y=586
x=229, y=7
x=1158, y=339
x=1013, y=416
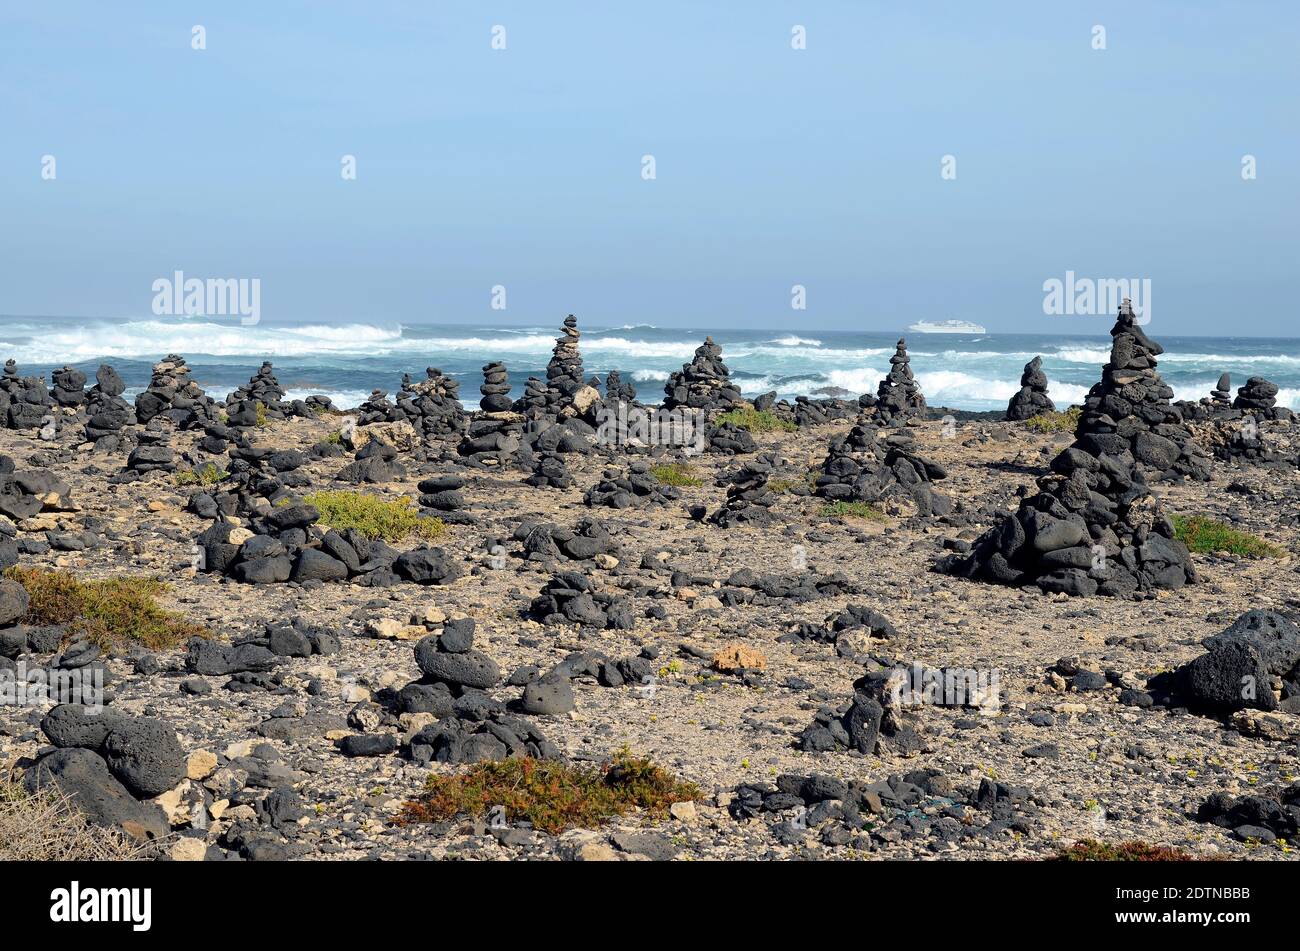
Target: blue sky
x=522, y=167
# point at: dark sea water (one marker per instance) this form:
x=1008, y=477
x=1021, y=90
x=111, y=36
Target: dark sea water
x=347, y=361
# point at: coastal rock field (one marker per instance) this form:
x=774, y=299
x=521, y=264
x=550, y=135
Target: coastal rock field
x=727, y=635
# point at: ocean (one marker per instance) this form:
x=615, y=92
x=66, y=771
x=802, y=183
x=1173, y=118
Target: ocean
x=347, y=361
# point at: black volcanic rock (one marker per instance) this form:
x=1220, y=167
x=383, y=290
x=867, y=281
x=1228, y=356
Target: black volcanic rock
x=1032, y=399
x=1094, y=527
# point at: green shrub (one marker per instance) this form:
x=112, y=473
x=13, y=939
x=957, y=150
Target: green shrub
x=389, y=519
x=110, y=611
x=553, y=796
x=1203, y=534
x=853, y=510
x=1055, y=422
x=206, y=474
x=675, y=473
x=756, y=421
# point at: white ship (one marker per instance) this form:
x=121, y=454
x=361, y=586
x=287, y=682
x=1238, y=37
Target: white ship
x=945, y=327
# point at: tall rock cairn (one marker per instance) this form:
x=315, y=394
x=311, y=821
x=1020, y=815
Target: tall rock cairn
x=493, y=437
x=899, y=396
x=704, y=383
x=1128, y=414
x=1094, y=527
x=564, y=372
x=1032, y=399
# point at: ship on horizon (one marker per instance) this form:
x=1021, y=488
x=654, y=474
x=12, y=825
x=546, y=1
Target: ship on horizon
x=946, y=327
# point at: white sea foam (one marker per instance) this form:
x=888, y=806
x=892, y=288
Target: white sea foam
x=792, y=341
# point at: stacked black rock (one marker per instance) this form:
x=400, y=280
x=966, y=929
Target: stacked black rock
x=899, y=396
x=570, y=598
x=535, y=401
x=69, y=387
x=153, y=454
x=107, y=413
x=1258, y=395
x=26, y=400
x=432, y=405
x=704, y=383
x=588, y=539
x=1128, y=414
x=442, y=494
x=550, y=471
x=493, y=438
x=112, y=765
x=809, y=412
x=874, y=718
x=171, y=392
x=564, y=372
x=283, y=543
x=729, y=439
x=1094, y=527
x=749, y=499
x=872, y=465
x=638, y=486
x=495, y=389
x=1032, y=399
x=263, y=390
x=24, y=494
x=376, y=409
x=1221, y=395
x=618, y=390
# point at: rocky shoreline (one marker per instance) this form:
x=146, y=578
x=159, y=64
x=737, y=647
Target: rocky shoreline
x=762, y=618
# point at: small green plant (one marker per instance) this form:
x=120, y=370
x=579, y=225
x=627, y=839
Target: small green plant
x=389, y=519
x=109, y=611
x=206, y=474
x=756, y=421
x=843, y=509
x=1090, y=850
x=1067, y=421
x=1202, y=534
x=261, y=412
x=675, y=473
x=335, y=438
x=553, y=796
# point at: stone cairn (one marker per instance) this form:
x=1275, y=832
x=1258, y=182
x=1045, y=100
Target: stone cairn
x=639, y=486
x=493, y=437
x=550, y=471
x=24, y=494
x=25, y=399
x=1032, y=398
x=432, y=405
x=704, y=383
x=1094, y=527
x=1258, y=395
x=376, y=409
x=1221, y=395
x=899, y=396
x=263, y=388
x=1128, y=414
x=749, y=499
x=617, y=390
x=564, y=372
x=69, y=387
x=870, y=465
x=107, y=414
x=172, y=393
